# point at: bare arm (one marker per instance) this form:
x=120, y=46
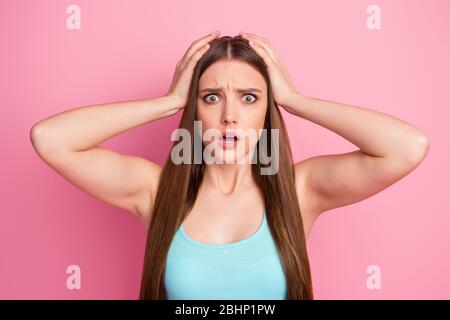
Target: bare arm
x=389, y=149
x=68, y=141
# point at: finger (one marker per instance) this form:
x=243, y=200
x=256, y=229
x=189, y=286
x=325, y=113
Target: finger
x=263, y=42
x=197, y=55
x=262, y=52
x=254, y=35
x=197, y=44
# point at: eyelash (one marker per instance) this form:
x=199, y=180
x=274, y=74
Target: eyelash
x=248, y=94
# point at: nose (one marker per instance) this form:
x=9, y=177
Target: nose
x=229, y=115
x=229, y=120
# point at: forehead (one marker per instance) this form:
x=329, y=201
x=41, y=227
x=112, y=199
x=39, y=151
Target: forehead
x=231, y=74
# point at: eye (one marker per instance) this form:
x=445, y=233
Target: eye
x=208, y=95
x=245, y=97
x=251, y=95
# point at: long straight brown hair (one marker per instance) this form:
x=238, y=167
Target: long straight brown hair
x=179, y=185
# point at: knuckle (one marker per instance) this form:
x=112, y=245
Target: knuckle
x=194, y=60
x=195, y=42
x=198, y=54
x=181, y=66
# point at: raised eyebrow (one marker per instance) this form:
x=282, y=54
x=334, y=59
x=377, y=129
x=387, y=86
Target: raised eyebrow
x=236, y=90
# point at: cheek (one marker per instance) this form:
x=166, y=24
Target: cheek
x=255, y=119
x=206, y=116
x=201, y=115
x=207, y=119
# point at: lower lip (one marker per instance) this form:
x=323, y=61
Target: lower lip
x=226, y=144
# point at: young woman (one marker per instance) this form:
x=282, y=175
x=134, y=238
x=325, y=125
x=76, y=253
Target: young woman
x=225, y=230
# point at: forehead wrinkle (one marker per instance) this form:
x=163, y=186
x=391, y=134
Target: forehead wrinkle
x=223, y=78
x=238, y=88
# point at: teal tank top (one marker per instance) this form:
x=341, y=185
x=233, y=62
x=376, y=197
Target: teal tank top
x=246, y=269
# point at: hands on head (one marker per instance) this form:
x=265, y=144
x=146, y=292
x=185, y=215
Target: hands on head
x=179, y=87
x=282, y=87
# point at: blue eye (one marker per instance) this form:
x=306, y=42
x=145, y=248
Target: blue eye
x=208, y=96
x=252, y=95
x=212, y=94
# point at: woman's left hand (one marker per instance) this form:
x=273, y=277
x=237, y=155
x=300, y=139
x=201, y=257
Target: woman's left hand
x=282, y=86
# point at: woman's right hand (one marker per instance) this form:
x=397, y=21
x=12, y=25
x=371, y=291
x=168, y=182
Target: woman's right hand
x=181, y=81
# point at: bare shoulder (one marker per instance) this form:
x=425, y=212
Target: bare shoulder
x=308, y=201
x=146, y=198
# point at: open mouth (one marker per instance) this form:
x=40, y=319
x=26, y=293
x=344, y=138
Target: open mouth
x=229, y=140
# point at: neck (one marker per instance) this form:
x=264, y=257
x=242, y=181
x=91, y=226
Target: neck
x=228, y=178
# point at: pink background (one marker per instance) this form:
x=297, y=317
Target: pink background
x=128, y=50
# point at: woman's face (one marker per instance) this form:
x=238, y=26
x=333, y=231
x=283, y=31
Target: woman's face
x=232, y=95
